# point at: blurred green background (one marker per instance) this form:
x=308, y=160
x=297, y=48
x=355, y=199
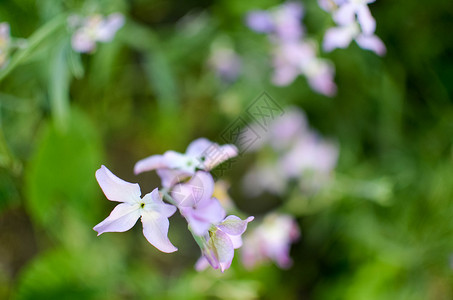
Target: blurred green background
x=384, y=231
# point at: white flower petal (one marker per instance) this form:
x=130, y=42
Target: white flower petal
x=223, y=248
x=150, y=163
x=155, y=230
x=153, y=201
x=116, y=189
x=366, y=20
x=371, y=42
x=121, y=219
x=233, y=225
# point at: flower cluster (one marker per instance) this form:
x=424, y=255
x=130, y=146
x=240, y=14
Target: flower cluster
x=93, y=29
x=300, y=154
x=5, y=43
x=188, y=187
x=294, y=54
x=354, y=22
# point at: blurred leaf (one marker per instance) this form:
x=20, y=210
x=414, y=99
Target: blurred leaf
x=157, y=67
x=59, y=84
x=60, y=176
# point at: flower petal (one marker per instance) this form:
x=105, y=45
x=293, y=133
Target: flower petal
x=337, y=37
x=366, y=20
x=116, y=189
x=198, y=146
x=121, y=219
x=200, y=187
x=371, y=42
x=260, y=21
x=153, y=201
x=345, y=15
x=150, y=163
x=223, y=249
x=109, y=27
x=201, y=264
x=201, y=218
x=170, y=177
x=233, y=225
x=155, y=230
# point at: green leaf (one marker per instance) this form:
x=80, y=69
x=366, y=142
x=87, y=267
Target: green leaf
x=60, y=177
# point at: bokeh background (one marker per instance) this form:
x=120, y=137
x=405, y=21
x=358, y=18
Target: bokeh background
x=382, y=229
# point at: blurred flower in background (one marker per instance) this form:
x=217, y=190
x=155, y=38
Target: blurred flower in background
x=5, y=43
x=296, y=153
x=270, y=240
x=225, y=62
x=93, y=29
x=355, y=22
x=294, y=54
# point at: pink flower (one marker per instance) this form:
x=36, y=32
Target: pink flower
x=154, y=213
x=271, y=240
x=221, y=242
x=94, y=29
x=172, y=166
x=195, y=202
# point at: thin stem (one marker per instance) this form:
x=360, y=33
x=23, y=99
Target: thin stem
x=34, y=41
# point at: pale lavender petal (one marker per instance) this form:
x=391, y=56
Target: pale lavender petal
x=371, y=42
x=121, y=219
x=223, y=248
x=109, y=27
x=183, y=162
x=345, y=15
x=116, y=189
x=284, y=130
x=153, y=201
x=284, y=76
x=260, y=21
x=4, y=31
x=327, y=5
x=82, y=42
x=233, y=225
x=170, y=177
x=152, y=162
x=216, y=155
x=203, y=217
x=199, y=187
x=236, y=240
x=366, y=20
x=201, y=264
x=322, y=81
x=155, y=230
x=198, y=147
x=337, y=37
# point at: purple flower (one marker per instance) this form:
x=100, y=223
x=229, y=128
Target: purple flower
x=195, y=202
x=282, y=22
x=5, y=43
x=172, y=166
x=341, y=37
x=221, y=242
x=154, y=213
x=94, y=29
x=294, y=59
x=311, y=154
x=271, y=240
x=226, y=63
